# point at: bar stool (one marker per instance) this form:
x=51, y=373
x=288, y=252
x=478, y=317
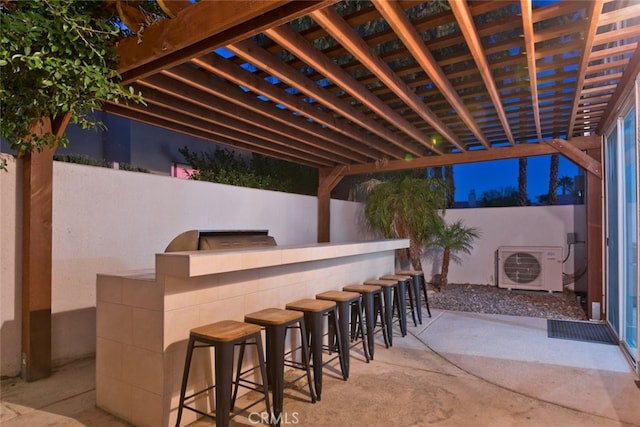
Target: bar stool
x=314, y=311
x=276, y=322
x=373, y=305
x=400, y=299
x=419, y=283
x=389, y=290
x=223, y=337
x=346, y=301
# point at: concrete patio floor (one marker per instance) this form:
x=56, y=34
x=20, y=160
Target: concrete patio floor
x=456, y=369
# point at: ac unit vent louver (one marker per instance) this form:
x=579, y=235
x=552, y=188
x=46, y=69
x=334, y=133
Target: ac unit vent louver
x=530, y=267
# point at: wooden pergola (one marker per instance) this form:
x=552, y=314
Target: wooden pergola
x=359, y=87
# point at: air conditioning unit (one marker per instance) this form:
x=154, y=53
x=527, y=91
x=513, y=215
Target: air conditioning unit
x=530, y=267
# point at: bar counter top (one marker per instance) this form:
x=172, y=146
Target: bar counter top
x=202, y=263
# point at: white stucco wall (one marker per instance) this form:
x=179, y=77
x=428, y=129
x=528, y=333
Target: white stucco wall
x=10, y=300
x=513, y=226
x=108, y=220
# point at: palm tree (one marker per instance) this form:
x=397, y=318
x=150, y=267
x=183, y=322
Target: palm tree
x=451, y=186
x=453, y=238
x=553, y=179
x=522, y=182
x=567, y=185
x=406, y=207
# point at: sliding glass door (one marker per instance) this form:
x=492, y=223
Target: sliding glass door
x=629, y=202
x=622, y=216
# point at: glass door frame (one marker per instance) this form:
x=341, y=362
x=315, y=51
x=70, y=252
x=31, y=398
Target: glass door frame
x=617, y=165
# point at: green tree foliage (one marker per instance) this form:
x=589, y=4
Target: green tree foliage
x=225, y=166
x=452, y=238
x=506, y=196
x=406, y=207
x=56, y=56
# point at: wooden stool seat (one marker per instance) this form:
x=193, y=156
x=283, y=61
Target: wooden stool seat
x=310, y=305
x=273, y=316
x=226, y=330
x=397, y=277
x=381, y=283
x=409, y=272
x=338, y=296
x=362, y=289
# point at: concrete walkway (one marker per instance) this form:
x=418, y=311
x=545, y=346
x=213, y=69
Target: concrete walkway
x=457, y=369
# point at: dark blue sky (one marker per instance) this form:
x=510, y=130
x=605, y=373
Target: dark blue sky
x=504, y=173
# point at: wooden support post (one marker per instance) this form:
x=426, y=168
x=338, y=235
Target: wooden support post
x=37, y=239
x=36, y=261
x=328, y=179
x=594, y=238
x=581, y=158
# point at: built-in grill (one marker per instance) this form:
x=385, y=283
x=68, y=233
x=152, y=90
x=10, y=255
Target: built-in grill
x=203, y=240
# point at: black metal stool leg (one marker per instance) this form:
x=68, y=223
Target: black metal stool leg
x=360, y=316
x=342, y=344
x=185, y=379
x=223, y=357
x=412, y=306
x=388, y=313
x=305, y=358
x=402, y=306
x=238, y=373
x=426, y=297
x=263, y=374
x=379, y=311
x=369, y=313
x=416, y=286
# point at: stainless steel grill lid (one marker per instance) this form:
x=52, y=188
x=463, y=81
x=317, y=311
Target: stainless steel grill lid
x=201, y=240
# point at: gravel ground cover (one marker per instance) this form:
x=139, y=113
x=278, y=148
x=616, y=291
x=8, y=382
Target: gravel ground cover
x=494, y=300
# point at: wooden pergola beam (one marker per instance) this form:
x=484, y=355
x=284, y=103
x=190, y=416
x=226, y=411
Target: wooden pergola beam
x=212, y=110
x=392, y=12
x=261, y=58
x=624, y=87
x=339, y=29
x=200, y=131
x=215, y=132
x=519, y=150
x=464, y=17
x=202, y=27
x=233, y=95
x=593, y=12
x=236, y=74
x=530, y=49
x=573, y=153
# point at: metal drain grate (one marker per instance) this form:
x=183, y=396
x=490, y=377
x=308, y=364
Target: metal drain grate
x=580, y=331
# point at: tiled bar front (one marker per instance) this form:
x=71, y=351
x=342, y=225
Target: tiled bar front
x=144, y=317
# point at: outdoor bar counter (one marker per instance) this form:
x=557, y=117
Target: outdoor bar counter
x=144, y=317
